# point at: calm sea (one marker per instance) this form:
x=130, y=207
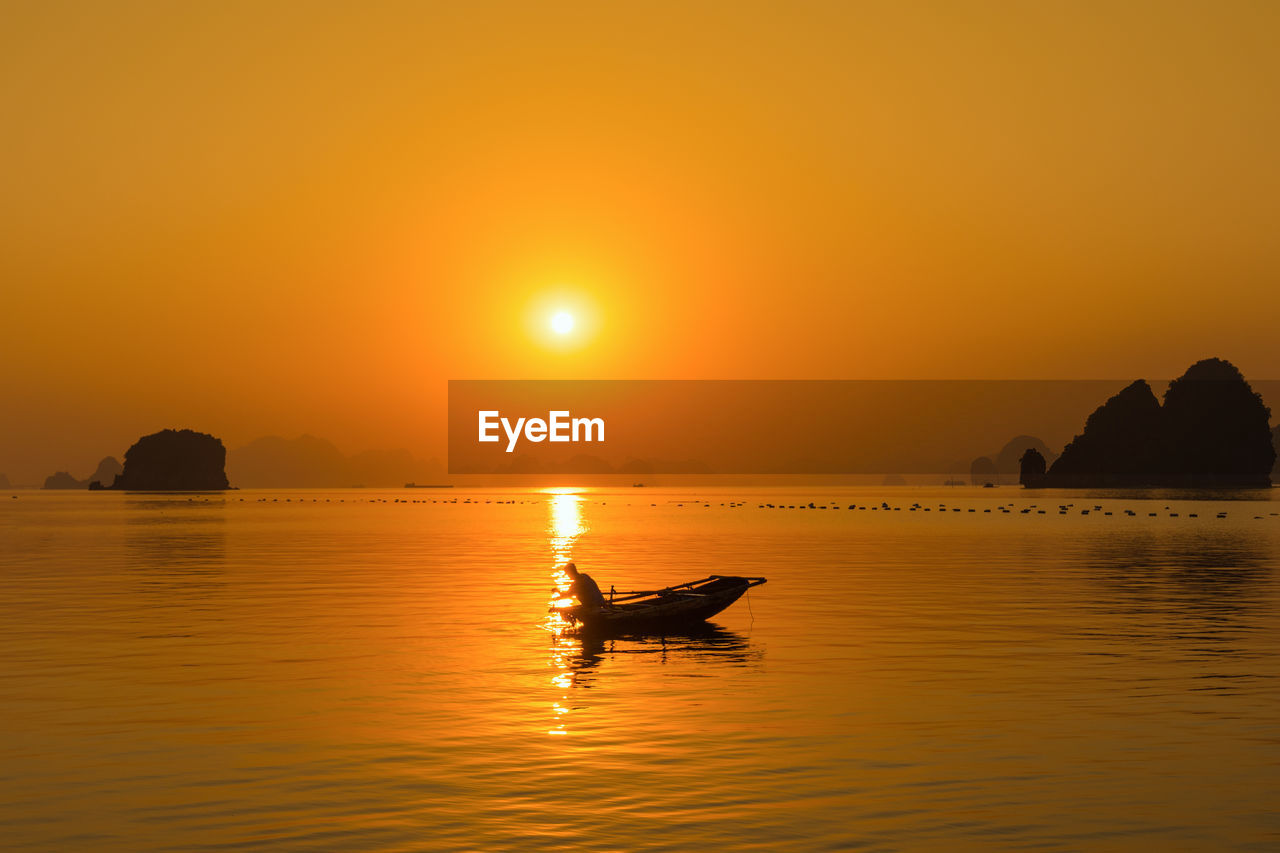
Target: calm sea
x=336, y=670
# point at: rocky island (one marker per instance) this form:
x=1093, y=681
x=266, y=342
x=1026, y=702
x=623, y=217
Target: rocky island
x=174, y=460
x=1213, y=431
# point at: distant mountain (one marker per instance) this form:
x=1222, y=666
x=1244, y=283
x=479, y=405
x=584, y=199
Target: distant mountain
x=579, y=464
x=275, y=462
x=982, y=470
x=1275, y=445
x=392, y=468
x=635, y=466
x=63, y=480
x=587, y=464
x=105, y=473
x=311, y=462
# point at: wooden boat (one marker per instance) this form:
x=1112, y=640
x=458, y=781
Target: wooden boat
x=662, y=609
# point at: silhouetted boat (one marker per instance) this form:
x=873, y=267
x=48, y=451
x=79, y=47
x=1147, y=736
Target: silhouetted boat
x=663, y=609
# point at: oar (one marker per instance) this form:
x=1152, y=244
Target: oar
x=664, y=589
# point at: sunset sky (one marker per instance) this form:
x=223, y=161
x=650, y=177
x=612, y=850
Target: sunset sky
x=271, y=218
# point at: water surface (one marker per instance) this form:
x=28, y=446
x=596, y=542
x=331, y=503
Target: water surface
x=314, y=670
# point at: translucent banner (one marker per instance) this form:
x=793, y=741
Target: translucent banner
x=639, y=427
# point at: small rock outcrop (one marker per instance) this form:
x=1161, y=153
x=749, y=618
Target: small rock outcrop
x=1213, y=431
x=1031, y=464
x=1009, y=459
x=993, y=468
x=174, y=460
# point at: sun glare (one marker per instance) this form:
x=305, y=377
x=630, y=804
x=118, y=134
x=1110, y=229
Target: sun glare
x=562, y=323
x=562, y=319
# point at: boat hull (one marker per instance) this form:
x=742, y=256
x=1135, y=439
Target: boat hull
x=667, y=610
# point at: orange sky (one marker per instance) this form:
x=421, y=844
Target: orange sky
x=255, y=218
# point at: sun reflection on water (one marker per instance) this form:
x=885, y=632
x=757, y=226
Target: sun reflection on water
x=565, y=525
x=564, y=528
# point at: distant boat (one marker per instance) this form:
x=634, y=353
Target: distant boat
x=428, y=486
x=637, y=485
x=663, y=609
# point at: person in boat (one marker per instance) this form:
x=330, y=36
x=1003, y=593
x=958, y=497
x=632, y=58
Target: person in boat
x=584, y=588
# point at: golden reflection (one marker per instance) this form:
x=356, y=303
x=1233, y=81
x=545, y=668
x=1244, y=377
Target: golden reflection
x=563, y=529
x=566, y=525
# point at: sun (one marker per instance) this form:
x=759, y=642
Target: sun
x=562, y=323
x=562, y=320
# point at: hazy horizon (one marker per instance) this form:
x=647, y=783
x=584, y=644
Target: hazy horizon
x=896, y=435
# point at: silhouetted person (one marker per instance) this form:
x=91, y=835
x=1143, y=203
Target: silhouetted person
x=584, y=588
